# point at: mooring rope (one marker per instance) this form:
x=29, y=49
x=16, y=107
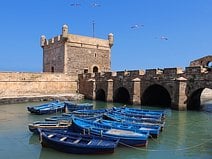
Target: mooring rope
x=180, y=149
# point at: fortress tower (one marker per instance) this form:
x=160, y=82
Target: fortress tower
x=75, y=54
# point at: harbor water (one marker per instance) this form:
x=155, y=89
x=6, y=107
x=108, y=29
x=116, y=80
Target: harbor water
x=187, y=135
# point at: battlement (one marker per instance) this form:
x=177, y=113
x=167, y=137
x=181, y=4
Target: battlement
x=48, y=42
x=78, y=40
x=195, y=70
x=164, y=73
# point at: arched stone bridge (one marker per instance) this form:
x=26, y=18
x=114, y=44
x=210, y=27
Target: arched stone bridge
x=170, y=87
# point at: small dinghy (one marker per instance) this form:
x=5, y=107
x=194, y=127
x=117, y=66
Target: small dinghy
x=77, y=143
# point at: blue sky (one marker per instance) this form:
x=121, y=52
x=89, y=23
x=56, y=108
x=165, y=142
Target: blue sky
x=186, y=23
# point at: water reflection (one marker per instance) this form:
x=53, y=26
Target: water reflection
x=34, y=139
x=207, y=106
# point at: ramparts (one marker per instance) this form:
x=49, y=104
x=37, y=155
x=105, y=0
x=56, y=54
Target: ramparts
x=20, y=86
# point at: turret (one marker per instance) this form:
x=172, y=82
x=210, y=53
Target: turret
x=111, y=39
x=65, y=31
x=42, y=40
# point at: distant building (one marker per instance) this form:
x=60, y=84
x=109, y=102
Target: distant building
x=75, y=54
x=204, y=61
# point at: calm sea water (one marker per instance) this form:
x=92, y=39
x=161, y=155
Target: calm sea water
x=187, y=135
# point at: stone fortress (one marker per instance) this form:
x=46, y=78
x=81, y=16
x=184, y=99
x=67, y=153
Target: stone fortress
x=74, y=54
x=80, y=64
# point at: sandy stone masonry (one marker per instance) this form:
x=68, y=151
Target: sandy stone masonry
x=181, y=89
x=75, y=54
x=17, y=84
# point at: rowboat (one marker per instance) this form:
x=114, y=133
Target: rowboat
x=136, y=118
x=141, y=111
x=138, y=115
x=127, y=119
x=59, y=118
x=153, y=130
x=47, y=108
x=33, y=127
x=127, y=137
x=78, y=106
x=91, y=111
x=68, y=116
x=76, y=143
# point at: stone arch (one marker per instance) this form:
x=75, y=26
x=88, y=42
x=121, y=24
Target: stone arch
x=95, y=69
x=156, y=95
x=209, y=64
x=194, y=100
x=122, y=95
x=100, y=95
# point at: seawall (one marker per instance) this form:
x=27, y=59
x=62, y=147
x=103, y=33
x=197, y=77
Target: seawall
x=18, y=87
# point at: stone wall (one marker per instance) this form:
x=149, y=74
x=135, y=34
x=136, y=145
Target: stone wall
x=53, y=55
x=204, y=61
x=28, y=84
x=175, y=83
x=75, y=54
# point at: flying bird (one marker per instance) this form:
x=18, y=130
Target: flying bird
x=96, y=5
x=163, y=38
x=137, y=26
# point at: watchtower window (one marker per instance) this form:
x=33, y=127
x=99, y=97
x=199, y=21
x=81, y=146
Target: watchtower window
x=85, y=70
x=52, y=69
x=95, y=69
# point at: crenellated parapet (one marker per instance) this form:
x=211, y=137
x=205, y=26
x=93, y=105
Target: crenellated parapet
x=76, y=54
x=50, y=42
x=166, y=73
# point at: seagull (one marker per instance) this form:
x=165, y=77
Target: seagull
x=96, y=5
x=136, y=26
x=163, y=38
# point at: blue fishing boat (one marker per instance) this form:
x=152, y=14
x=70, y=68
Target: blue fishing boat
x=47, y=108
x=127, y=119
x=154, y=130
x=35, y=126
x=127, y=137
x=136, y=118
x=141, y=111
x=76, y=143
x=68, y=116
x=78, y=106
x=138, y=115
x=91, y=111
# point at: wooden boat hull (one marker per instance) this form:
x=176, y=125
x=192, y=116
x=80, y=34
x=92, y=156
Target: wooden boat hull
x=127, y=137
x=74, y=106
x=48, y=108
x=87, y=144
x=34, y=127
x=131, y=120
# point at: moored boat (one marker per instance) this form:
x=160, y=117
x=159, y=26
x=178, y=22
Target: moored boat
x=77, y=143
x=141, y=111
x=127, y=119
x=78, y=106
x=91, y=111
x=47, y=108
x=153, y=130
x=127, y=137
x=130, y=116
x=33, y=127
